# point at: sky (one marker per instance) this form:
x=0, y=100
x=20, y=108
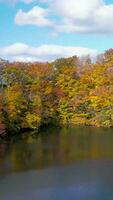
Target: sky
x=44, y=30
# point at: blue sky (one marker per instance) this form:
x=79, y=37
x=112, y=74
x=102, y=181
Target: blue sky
x=48, y=29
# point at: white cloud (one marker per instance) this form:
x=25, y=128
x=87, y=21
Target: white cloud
x=23, y=52
x=36, y=16
x=84, y=16
x=76, y=10
x=73, y=16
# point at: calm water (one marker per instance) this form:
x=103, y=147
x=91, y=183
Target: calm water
x=60, y=164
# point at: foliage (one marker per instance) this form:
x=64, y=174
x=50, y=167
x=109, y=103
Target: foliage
x=68, y=91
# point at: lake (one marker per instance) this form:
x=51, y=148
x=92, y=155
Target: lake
x=73, y=163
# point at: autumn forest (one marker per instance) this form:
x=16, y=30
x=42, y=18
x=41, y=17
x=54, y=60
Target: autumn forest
x=67, y=91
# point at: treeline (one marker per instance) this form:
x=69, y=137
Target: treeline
x=68, y=91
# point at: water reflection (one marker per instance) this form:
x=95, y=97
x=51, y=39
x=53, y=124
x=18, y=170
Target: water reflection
x=55, y=147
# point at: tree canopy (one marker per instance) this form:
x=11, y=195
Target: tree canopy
x=67, y=91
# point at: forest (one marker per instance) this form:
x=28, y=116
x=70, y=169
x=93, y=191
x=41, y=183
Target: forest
x=68, y=91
